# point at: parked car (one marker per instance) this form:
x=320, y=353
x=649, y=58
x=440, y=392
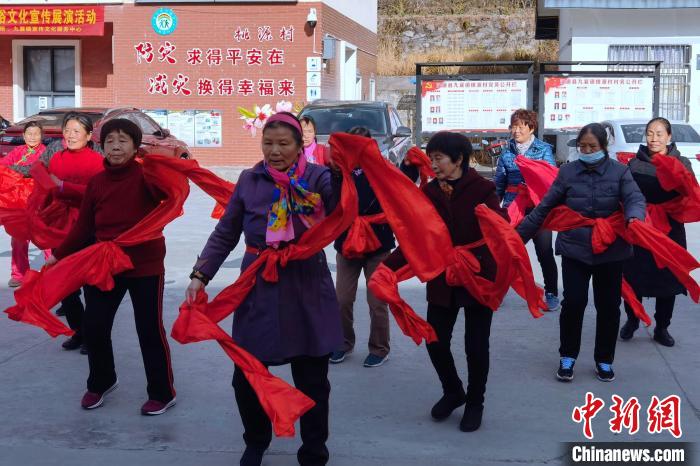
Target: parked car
x=393, y=138
x=156, y=140
x=4, y=124
x=627, y=135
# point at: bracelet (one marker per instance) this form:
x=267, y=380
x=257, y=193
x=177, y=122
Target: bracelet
x=199, y=276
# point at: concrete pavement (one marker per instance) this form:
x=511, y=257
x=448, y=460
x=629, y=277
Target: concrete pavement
x=379, y=416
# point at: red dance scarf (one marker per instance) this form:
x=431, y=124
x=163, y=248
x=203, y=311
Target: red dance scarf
x=98, y=263
x=539, y=176
x=199, y=321
x=420, y=160
x=43, y=219
x=361, y=239
x=666, y=252
x=513, y=269
x=672, y=176
x=282, y=403
x=14, y=194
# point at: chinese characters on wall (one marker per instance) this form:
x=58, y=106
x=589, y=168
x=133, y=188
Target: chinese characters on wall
x=248, y=51
x=52, y=21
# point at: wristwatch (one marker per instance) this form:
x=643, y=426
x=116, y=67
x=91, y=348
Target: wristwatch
x=199, y=276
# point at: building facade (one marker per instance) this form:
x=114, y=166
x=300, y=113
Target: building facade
x=203, y=69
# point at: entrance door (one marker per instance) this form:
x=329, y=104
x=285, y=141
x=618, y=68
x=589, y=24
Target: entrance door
x=49, y=78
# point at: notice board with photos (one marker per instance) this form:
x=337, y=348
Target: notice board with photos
x=197, y=128
x=571, y=102
x=471, y=105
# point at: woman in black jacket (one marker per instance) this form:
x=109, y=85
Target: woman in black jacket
x=349, y=269
x=593, y=186
x=455, y=192
x=641, y=272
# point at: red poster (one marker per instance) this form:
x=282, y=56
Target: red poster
x=83, y=20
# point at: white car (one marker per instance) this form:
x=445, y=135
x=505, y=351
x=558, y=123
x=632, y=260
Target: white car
x=627, y=135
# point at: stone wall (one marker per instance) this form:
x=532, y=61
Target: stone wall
x=496, y=34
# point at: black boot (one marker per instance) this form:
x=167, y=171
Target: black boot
x=627, y=330
x=448, y=403
x=252, y=456
x=664, y=338
x=471, y=420
x=73, y=343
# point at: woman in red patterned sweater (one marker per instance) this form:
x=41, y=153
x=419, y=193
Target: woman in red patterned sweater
x=116, y=200
x=20, y=159
x=71, y=169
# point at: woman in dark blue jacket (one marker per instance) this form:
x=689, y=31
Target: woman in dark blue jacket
x=508, y=179
x=594, y=186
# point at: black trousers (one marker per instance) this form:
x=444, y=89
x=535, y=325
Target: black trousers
x=310, y=376
x=476, y=343
x=545, y=256
x=74, y=313
x=607, y=282
x=663, y=314
x=101, y=306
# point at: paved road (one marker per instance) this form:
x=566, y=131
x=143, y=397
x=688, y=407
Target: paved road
x=378, y=416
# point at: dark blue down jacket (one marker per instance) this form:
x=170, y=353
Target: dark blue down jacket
x=595, y=191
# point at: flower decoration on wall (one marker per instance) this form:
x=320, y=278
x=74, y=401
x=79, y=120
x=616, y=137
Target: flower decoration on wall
x=255, y=119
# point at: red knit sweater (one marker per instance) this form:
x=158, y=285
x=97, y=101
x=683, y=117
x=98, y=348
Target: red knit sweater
x=116, y=200
x=75, y=168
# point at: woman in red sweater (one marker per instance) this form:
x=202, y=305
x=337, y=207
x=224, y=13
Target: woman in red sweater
x=116, y=200
x=71, y=169
x=20, y=159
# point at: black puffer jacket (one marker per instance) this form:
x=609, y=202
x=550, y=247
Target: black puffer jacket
x=595, y=191
x=368, y=205
x=641, y=271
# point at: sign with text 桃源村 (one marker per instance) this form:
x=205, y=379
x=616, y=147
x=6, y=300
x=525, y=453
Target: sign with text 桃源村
x=182, y=71
x=78, y=20
x=471, y=106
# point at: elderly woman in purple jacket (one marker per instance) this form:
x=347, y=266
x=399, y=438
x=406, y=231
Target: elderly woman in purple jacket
x=297, y=319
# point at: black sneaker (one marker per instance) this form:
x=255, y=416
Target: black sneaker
x=627, y=330
x=61, y=311
x=73, y=343
x=471, y=420
x=252, y=456
x=448, y=403
x=566, y=369
x=662, y=337
x=604, y=372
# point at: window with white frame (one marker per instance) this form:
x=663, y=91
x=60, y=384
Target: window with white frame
x=674, y=89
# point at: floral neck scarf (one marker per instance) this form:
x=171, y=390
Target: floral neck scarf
x=291, y=197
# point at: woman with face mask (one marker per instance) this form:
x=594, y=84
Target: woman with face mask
x=509, y=180
x=641, y=272
x=455, y=193
x=594, y=186
x=115, y=200
x=21, y=160
x=295, y=320
x=71, y=169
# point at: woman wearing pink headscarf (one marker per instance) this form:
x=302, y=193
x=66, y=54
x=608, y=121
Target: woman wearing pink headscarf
x=295, y=320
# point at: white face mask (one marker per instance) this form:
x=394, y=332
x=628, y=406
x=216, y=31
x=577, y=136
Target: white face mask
x=592, y=158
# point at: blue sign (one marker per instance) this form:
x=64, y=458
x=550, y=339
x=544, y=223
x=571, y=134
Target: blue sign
x=164, y=21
